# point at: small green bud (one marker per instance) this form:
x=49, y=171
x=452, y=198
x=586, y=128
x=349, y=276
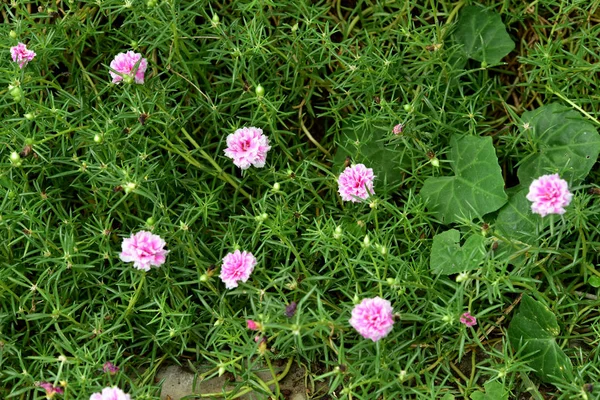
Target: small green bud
x=128, y=79
x=29, y=116
x=407, y=108
x=260, y=91
x=276, y=187
x=221, y=370
x=29, y=141
x=338, y=232
x=391, y=281
x=150, y=221
x=16, y=91
x=15, y=157
x=295, y=27
x=367, y=241
x=215, y=19
x=402, y=375
x=134, y=44
x=203, y=278
x=129, y=187
x=383, y=250
x=13, y=34
x=11, y=194
x=435, y=162
x=462, y=277
x=97, y=138
x=484, y=64
x=151, y=3
x=262, y=217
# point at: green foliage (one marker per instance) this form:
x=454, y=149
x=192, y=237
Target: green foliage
x=482, y=35
x=494, y=390
x=533, y=332
x=477, y=187
x=449, y=257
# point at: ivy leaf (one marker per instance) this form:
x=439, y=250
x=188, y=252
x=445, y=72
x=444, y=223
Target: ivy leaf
x=477, y=188
x=564, y=142
x=494, y=390
x=483, y=35
x=533, y=332
x=371, y=147
x=448, y=257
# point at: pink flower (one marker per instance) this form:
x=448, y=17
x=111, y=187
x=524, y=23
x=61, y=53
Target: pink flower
x=144, y=249
x=549, y=195
x=110, y=368
x=253, y=325
x=21, y=55
x=398, y=129
x=124, y=63
x=50, y=389
x=237, y=267
x=247, y=146
x=113, y=393
x=354, y=182
x=468, y=320
x=373, y=318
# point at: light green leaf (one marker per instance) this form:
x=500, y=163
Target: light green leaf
x=483, y=35
x=494, y=390
x=594, y=281
x=533, y=332
x=564, y=142
x=448, y=396
x=447, y=257
x=477, y=188
x=371, y=147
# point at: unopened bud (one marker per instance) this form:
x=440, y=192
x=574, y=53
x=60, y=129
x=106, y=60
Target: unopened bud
x=97, y=138
x=15, y=158
x=407, y=107
x=435, y=162
x=128, y=79
x=129, y=187
x=391, y=281
x=29, y=116
x=276, y=187
x=463, y=276
x=295, y=27
x=338, y=232
x=260, y=91
x=215, y=19
x=367, y=241
x=13, y=34
x=150, y=221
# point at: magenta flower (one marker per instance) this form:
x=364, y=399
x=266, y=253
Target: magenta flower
x=144, y=249
x=110, y=368
x=237, y=266
x=248, y=146
x=124, y=64
x=50, y=389
x=253, y=325
x=21, y=55
x=549, y=195
x=468, y=320
x=398, y=129
x=355, y=183
x=373, y=318
x=113, y=393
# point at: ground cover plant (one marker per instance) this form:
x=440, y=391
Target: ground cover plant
x=399, y=196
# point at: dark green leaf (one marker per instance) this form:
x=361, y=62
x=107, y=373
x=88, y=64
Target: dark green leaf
x=564, y=142
x=448, y=257
x=483, y=35
x=533, y=332
x=477, y=188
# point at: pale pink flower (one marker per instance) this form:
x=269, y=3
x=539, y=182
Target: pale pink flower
x=110, y=368
x=355, y=183
x=398, y=129
x=108, y=393
x=50, y=389
x=21, y=55
x=247, y=146
x=549, y=194
x=373, y=318
x=237, y=266
x=144, y=249
x=124, y=63
x=468, y=320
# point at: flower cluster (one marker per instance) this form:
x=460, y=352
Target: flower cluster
x=373, y=318
x=549, y=194
x=125, y=65
x=144, y=249
x=237, y=267
x=21, y=55
x=247, y=146
x=356, y=183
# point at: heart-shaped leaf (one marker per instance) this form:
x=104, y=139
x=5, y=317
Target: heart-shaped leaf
x=563, y=142
x=494, y=390
x=477, y=188
x=448, y=257
x=483, y=35
x=533, y=332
